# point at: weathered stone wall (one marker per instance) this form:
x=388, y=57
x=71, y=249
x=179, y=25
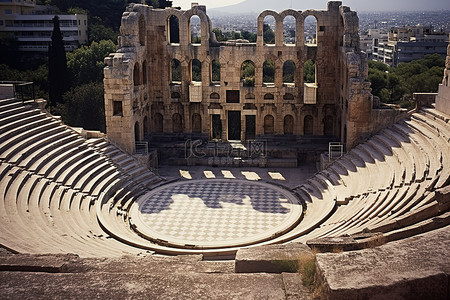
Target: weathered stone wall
x=443, y=97
x=138, y=78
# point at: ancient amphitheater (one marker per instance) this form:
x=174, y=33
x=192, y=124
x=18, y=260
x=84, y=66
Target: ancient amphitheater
x=82, y=218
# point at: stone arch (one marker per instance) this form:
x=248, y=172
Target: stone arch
x=328, y=125
x=289, y=71
x=288, y=124
x=310, y=28
x=175, y=70
x=269, y=71
x=269, y=96
x=250, y=96
x=248, y=73
x=310, y=71
x=173, y=25
x=269, y=33
x=196, y=123
x=158, y=122
x=137, y=136
x=177, y=123
x=146, y=126
x=144, y=72
x=308, y=125
x=298, y=24
x=214, y=96
x=196, y=70
x=142, y=30
x=269, y=127
x=278, y=27
x=205, y=23
x=195, y=27
x=288, y=96
x=136, y=75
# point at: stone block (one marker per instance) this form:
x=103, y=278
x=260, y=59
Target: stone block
x=271, y=258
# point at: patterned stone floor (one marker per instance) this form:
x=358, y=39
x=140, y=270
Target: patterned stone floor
x=215, y=213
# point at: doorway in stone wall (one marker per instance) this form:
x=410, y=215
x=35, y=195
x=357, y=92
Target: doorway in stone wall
x=216, y=127
x=234, y=125
x=250, y=127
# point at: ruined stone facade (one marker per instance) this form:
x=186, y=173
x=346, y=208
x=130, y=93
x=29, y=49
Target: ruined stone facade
x=144, y=97
x=443, y=97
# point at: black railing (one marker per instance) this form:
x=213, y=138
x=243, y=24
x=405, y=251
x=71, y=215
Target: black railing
x=23, y=90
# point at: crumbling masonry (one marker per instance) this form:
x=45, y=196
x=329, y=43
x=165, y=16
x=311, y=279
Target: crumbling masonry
x=144, y=96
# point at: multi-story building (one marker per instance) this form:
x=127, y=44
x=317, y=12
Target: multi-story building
x=368, y=38
x=409, y=43
x=32, y=26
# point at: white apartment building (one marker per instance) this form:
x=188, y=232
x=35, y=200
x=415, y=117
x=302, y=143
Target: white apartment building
x=32, y=26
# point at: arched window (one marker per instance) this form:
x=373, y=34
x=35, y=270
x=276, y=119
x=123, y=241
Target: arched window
x=288, y=124
x=288, y=96
x=177, y=123
x=175, y=70
x=196, y=123
x=269, y=29
x=196, y=30
x=269, y=71
x=136, y=75
x=174, y=30
x=146, y=126
x=142, y=30
x=250, y=96
x=289, y=27
x=309, y=71
x=196, y=70
x=158, y=122
x=144, y=72
x=214, y=96
x=328, y=125
x=269, y=124
x=175, y=95
x=268, y=97
x=310, y=30
x=289, y=72
x=215, y=71
x=248, y=73
x=308, y=125
x=137, y=136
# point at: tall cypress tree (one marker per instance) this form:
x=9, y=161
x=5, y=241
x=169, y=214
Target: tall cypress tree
x=57, y=66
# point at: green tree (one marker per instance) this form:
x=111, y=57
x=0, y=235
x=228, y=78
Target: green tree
x=8, y=49
x=309, y=71
x=57, y=66
x=87, y=62
x=83, y=107
x=269, y=71
x=251, y=37
x=248, y=73
x=268, y=34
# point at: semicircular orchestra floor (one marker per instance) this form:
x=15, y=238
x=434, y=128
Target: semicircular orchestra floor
x=208, y=214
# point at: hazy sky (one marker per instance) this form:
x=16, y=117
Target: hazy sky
x=186, y=4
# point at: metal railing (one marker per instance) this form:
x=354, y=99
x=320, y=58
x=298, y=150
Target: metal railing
x=141, y=148
x=335, y=150
x=23, y=91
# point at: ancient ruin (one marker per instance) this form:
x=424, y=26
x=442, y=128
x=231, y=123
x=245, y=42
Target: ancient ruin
x=151, y=88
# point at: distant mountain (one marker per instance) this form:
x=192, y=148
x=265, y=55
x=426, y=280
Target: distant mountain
x=257, y=6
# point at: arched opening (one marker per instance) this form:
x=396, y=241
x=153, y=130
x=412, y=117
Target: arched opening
x=196, y=30
x=137, y=136
x=308, y=125
x=196, y=123
x=215, y=71
x=214, y=96
x=310, y=30
x=250, y=96
x=269, y=29
x=176, y=71
x=309, y=71
x=289, y=27
x=268, y=96
x=328, y=128
x=146, y=127
x=141, y=30
x=248, y=73
x=174, y=30
x=144, y=72
x=269, y=72
x=196, y=70
x=269, y=124
x=136, y=75
x=177, y=123
x=288, y=96
x=175, y=95
x=289, y=72
x=158, y=122
x=288, y=124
